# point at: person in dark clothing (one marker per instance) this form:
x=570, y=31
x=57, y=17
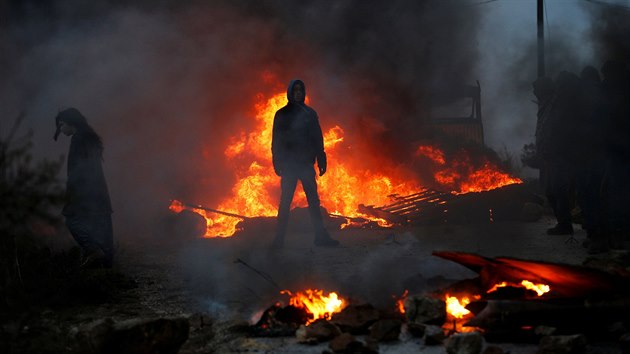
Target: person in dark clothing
x=591, y=130
x=297, y=142
x=556, y=148
x=88, y=207
x=616, y=92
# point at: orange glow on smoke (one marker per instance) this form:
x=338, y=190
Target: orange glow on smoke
x=345, y=185
x=540, y=289
x=434, y=154
x=316, y=303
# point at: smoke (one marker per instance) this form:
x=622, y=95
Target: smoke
x=576, y=35
x=610, y=32
x=166, y=85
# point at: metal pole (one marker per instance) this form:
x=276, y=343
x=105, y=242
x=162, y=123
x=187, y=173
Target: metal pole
x=541, y=38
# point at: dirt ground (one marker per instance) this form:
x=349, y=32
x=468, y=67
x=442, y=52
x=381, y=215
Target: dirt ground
x=232, y=280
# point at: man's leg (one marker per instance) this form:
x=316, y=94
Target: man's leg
x=287, y=186
x=80, y=229
x=84, y=229
x=102, y=232
x=322, y=238
x=559, y=194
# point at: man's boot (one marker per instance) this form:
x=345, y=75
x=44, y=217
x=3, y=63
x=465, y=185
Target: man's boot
x=93, y=259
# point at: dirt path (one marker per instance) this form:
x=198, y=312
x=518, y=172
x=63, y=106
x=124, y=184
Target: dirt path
x=232, y=280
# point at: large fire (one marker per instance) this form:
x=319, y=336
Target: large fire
x=341, y=190
x=316, y=303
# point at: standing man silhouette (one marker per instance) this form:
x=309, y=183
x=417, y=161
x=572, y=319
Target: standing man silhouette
x=297, y=143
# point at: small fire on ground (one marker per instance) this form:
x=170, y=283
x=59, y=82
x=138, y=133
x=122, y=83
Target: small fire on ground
x=456, y=305
x=317, y=304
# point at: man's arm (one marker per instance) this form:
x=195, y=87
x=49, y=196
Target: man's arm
x=275, y=146
x=322, y=162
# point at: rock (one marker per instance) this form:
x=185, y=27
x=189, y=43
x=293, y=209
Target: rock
x=356, y=319
x=345, y=343
x=316, y=332
x=572, y=344
x=415, y=329
x=617, y=329
x=491, y=349
x=91, y=337
x=385, y=330
x=544, y=330
x=160, y=335
x=464, y=343
x=433, y=335
x=425, y=309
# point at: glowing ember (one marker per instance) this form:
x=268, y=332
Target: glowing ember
x=540, y=289
x=400, y=302
x=316, y=303
x=456, y=307
x=176, y=206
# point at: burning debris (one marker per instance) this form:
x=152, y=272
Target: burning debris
x=351, y=188
x=515, y=297
x=511, y=299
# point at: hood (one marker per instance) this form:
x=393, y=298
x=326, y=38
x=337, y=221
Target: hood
x=290, y=90
x=71, y=116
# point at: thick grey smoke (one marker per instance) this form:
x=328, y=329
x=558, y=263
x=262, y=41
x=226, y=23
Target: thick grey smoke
x=167, y=84
x=577, y=34
x=611, y=32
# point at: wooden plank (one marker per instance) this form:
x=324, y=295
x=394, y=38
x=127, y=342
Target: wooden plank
x=398, y=205
x=376, y=212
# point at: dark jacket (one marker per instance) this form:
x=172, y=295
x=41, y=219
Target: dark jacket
x=297, y=136
x=86, y=189
x=556, y=134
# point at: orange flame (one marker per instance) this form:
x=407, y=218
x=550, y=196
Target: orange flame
x=461, y=176
x=341, y=190
x=434, y=154
x=400, y=302
x=540, y=289
x=457, y=307
x=316, y=303
x=345, y=185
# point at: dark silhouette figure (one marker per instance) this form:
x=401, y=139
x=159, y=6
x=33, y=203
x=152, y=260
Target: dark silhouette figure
x=616, y=92
x=556, y=147
x=296, y=144
x=591, y=129
x=88, y=207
